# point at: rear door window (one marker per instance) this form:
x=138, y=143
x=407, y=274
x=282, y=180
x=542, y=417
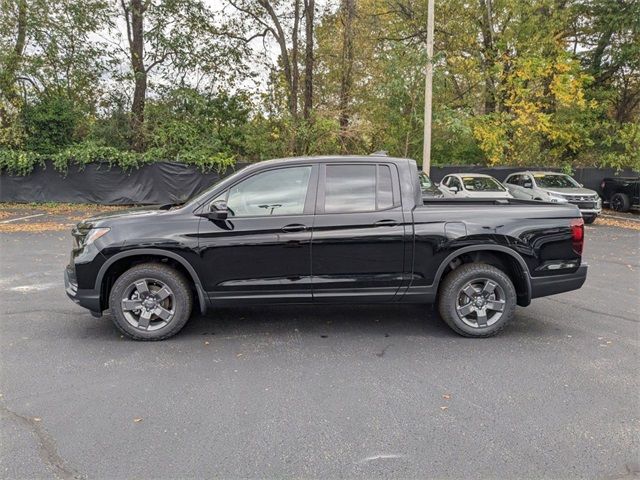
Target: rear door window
x=358, y=188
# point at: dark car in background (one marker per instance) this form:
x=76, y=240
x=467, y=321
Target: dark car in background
x=621, y=193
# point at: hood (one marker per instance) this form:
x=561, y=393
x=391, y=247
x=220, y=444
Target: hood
x=431, y=191
x=105, y=219
x=570, y=191
x=472, y=194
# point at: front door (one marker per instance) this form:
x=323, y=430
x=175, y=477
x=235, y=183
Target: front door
x=358, y=233
x=262, y=252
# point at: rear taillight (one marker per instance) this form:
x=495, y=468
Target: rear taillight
x=577, y=235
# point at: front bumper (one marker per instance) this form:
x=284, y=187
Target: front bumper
x=89, y=299
x=552, y=284
x=589, y=212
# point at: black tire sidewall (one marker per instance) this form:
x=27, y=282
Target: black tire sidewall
x=625, y=204
x=451, y=288
x=167, y=275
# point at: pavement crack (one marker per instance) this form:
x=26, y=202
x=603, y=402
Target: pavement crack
x=46, y=446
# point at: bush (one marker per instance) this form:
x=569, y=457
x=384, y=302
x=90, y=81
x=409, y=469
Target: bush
x=21, y=162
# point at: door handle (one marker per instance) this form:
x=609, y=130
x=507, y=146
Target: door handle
x=294, y=227
x=386, y=223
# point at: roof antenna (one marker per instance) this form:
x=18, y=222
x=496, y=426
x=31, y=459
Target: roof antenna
x=380, y=153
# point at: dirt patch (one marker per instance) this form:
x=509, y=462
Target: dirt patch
x=59, y=208
x=34, y=227
x=614, y=222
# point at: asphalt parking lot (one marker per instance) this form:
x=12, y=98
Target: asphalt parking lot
x=332, y=392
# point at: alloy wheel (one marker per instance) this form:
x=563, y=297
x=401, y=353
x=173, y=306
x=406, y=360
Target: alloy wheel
x=148, y=304
x=481, y=303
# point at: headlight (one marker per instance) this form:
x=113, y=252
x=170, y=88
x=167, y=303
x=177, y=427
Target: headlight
x=94, y=234
x=557, y=199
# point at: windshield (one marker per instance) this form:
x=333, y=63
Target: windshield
x=555, y=181
x=425, y=181
x=482, y=184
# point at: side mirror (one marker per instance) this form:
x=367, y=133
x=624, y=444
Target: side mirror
x=528, y=185
x=217, y=211
x=454, y=189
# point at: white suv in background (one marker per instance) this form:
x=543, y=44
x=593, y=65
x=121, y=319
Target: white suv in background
x=555, y=187
x=472, y=185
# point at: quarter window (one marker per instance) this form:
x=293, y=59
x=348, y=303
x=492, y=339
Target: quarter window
x=274, y=192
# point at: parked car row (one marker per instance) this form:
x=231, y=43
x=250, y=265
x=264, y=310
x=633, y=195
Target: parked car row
x=550, y=187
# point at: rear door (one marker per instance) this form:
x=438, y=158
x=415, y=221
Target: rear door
x=358, y=233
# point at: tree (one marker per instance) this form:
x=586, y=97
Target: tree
x=173, y=39
x=348, y=14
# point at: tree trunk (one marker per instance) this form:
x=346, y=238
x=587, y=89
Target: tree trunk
x=489, y=54
x=348, y=13
x=10, y=67
x=134, y=14
x=12, y=63
x=295, y=70
x=308, y=59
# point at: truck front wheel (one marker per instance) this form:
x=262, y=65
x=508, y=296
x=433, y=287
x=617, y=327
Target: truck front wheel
x=477, y=300
x=150, y=301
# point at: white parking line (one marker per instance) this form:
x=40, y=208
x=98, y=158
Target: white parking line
x=35, y=287
x=22, y=218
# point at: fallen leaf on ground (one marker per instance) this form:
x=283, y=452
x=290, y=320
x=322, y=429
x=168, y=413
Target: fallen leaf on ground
x=444, y=407
x=446, y=396
x=137, y=420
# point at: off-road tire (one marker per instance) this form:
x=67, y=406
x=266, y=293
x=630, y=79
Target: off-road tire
x=183, y=300
x=456, y=280
x=620, y=202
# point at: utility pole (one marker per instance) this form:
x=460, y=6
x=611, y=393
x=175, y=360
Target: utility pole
x=428, y=92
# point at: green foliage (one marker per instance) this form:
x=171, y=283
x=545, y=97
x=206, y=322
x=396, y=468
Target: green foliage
x=50, y=124
x=18, y=162
x=515, y=83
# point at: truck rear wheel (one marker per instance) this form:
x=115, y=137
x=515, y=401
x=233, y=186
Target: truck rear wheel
x=477, y=300
x=150, y=302
x=620, y=202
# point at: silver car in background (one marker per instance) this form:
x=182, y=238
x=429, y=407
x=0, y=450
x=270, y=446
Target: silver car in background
x=472, y=185
x=555, y=187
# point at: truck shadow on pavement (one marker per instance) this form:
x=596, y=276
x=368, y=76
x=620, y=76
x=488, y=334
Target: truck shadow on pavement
x=323, y=321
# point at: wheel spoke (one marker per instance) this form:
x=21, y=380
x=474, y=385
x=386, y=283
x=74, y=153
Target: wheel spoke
x=129, y=304
x=163, y=293
x=489, y=287
x=482, y=317
x=495, y=305
x=162, y=312
x=145, y=318
x=142, y=287
x=469, y=291
x=465, y=310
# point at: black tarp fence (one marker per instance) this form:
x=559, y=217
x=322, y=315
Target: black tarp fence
x=168, y=182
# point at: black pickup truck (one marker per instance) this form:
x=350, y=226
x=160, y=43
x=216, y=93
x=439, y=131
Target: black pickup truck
x=325, y=230
x=621, y=193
